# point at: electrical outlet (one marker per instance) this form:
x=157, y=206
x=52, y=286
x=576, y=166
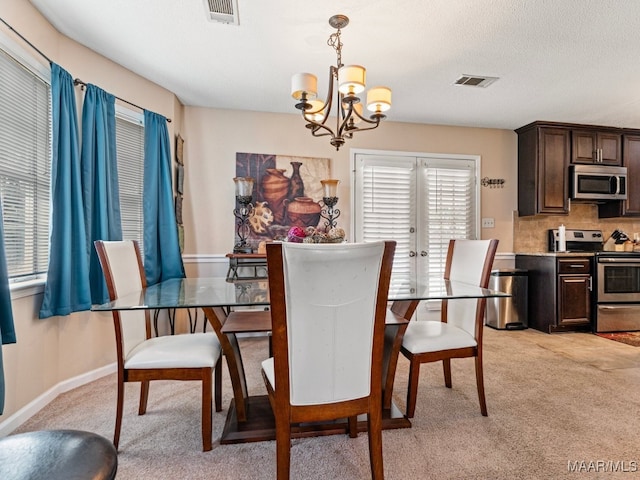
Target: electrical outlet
x=488, y=223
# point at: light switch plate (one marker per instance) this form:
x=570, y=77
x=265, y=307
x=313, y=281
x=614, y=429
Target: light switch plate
x=488, y=223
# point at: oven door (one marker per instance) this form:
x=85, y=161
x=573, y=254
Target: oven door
x=618, y=279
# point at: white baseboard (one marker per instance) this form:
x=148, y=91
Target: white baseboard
x=25, y=413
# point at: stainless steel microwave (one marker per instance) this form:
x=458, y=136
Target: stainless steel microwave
x=598, y=182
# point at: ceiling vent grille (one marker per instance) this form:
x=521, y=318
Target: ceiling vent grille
x=475, y=81
x=222, y=11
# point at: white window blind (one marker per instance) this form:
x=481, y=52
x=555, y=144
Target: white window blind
x=25, y=167
x=130, y=152
x=420, y=202
x=448, y=207
x=385, y=201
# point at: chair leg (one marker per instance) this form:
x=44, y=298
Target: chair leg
x=374, y=420
x=218, y=385
x=446, y=367
x=480, y=383
x=283, y=447
x=144, y=396
x=412, y=388
x=353, y=426
x=119, y=408
x=206, y=409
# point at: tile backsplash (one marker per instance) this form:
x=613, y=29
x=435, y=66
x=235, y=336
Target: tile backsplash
x=530, y=233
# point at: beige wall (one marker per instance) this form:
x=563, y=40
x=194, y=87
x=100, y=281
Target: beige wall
x=212, y=138
x=52, y=351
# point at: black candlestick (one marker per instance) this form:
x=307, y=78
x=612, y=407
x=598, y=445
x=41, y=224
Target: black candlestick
x=329, y=213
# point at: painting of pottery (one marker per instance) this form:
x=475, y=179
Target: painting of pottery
x=287, y=192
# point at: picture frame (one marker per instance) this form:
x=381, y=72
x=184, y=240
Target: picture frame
x=178, y=208
x=180, y=179
x=179, y=150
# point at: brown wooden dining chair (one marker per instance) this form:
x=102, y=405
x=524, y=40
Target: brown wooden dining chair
x=142, y=358
x=458, y=334
x=328, y=308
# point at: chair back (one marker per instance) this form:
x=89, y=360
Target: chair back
x=328, y=305
x=124, y=274
x=468, y=261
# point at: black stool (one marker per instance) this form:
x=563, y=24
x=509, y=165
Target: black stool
x=57, y=454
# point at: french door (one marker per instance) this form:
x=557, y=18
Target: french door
x=420, y=201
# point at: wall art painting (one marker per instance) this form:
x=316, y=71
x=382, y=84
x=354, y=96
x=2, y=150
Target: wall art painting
x=287, y=192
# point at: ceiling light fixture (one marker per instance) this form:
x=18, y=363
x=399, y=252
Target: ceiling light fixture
x=348, y=81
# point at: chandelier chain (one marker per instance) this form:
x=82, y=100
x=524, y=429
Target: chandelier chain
x=335, y=42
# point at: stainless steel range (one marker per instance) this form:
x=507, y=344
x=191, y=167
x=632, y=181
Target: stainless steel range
x=617, y=291
x=617, y=280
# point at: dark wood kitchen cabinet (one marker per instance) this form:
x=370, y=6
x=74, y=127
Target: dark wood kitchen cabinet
x=630, y=159
x=596, y=147
x=543, y=158
x=559, y=292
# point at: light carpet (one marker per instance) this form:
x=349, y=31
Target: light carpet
x=556, y=403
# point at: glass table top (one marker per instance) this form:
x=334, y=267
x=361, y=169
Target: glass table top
x=218, y=292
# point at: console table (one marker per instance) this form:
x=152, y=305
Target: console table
x=255, y=262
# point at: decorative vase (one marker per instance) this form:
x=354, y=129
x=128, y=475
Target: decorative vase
x=303, y=212
x=275, y=189
x=296, y=185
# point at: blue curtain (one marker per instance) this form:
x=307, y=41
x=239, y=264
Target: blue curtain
x=100, y=190
x=7, y=330
x=162, y=259
x=67, y=288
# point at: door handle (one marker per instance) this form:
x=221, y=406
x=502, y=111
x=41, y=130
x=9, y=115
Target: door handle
x=412, y=253
x=423, y=253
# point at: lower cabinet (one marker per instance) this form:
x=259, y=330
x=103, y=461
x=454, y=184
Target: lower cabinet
x=559, y=291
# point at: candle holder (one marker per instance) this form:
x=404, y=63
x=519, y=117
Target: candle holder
x=330, y=199
x=244, y=210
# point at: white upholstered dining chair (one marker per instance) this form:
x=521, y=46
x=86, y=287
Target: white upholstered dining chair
x=458, y=334
x=142, y=358
x=328, y=309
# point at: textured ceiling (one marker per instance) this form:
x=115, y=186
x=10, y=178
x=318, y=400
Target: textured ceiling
x=560, y=60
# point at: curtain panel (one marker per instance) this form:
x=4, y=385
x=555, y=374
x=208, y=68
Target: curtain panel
x=67, y=289
x=100, y=192
x=162, y=259
x=7, y=329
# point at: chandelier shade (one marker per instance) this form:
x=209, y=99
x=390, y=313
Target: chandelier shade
x=346, y=82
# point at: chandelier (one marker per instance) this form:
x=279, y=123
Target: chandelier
x=348, y=81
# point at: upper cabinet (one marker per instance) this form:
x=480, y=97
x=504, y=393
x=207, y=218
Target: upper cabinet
x=596, y=146
x=630, y=159
x=543, y=158
x=545, y=151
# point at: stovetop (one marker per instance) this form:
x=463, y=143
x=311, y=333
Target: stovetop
x=587, y=241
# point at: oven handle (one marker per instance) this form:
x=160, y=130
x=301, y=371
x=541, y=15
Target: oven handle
x=618, y=260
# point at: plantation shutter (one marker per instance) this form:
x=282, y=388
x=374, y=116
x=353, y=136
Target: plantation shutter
x=385, y=205
x=130, y=152
x=421, y=202
x=448, y=207
x=25, y=168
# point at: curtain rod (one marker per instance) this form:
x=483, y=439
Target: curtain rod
x=26, y=41
x=77, y=81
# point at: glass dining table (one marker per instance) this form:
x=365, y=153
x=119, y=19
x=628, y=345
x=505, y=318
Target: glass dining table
x=241, y=306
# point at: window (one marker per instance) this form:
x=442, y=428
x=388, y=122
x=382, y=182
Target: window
x=25, y=166
x=130, y=152
x=421, y=201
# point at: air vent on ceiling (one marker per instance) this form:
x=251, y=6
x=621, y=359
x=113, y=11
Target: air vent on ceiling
x=222, y=11
x=475, y=80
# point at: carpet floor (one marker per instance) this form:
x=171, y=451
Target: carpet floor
x=560, y=406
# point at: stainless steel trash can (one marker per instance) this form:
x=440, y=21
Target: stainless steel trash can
x=508, y=313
